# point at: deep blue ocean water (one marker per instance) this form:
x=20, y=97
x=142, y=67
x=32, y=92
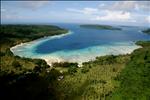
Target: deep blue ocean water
x=84, y=44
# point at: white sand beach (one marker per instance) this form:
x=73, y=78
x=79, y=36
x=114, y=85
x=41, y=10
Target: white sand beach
x=79, y=55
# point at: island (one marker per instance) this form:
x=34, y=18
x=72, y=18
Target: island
x=147, y=31
x=107, y=77
x=99, y=27
x=129, y=26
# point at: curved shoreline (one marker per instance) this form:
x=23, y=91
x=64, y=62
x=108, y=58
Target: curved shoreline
x=82, y=55
x=78, y=55
x=117, y=50
x=41, y=40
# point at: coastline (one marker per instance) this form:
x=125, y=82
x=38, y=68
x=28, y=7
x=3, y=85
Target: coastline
x=41, y=40
x=79, y=58
x=83, y=55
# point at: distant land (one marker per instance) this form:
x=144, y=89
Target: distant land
x=129, y=26
x=107, y=77
x=96, y=26
x=147, y=31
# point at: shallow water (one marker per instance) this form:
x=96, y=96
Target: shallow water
x=82, y=44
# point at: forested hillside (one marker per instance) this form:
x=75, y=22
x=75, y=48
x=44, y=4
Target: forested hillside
x=110, y=77
x=24, y=78
x=135, y=77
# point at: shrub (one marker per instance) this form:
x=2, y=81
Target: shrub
x=16, y=64
x=65, y=64
x=8, y=52
x=72, y=70
x=84, y=70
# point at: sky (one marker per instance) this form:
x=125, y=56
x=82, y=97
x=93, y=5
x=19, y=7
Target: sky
x=95, y=12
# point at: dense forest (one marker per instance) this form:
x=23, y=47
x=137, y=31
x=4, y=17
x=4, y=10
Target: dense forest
x=122, y=77
x=11, y=35
x=134, y=79
x=24, y=78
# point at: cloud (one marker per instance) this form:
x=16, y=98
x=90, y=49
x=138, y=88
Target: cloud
x=144, y=5
x=123, y=5
x=126, y=11
x=86, y=10
x=118, y=16
x=104, y=15
x=102, y=5
x=34, y=4
x=114, y=11
x=129, y=6
x=11, y=16
x=148, y=19
x=3, y=9
x=120, y=11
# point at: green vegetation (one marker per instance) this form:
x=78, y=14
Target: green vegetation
x=94, y=26
x=65, y=64
x=72, y=70
x=24, y=78
x=147, y=31
x=135, y=77
x=11, y=35
x=94, y=80
x=129, y=26
x=122, y=77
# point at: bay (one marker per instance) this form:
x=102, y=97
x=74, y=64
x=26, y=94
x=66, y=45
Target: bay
x=82, y=44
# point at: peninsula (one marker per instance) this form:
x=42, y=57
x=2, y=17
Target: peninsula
x=105, y=77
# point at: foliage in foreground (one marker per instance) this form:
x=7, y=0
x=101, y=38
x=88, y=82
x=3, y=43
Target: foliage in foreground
x=32, y=79
x=29, y=85
x=24, y=78
x=94, y=80
x=123, y=77
x=135, y=78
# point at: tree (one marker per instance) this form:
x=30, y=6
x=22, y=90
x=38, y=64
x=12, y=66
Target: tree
x=16, y=64
x=8, y=52
x=53, y=75
x=72, y=70
x=84, y=70
x=64, y=64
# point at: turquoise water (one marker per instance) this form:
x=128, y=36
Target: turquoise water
x=82, y=44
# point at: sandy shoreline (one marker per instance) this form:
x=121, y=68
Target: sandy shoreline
x=50, y=59
x=78, y=56
x=43, y=39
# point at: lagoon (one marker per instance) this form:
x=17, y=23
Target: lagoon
x=82, y=44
